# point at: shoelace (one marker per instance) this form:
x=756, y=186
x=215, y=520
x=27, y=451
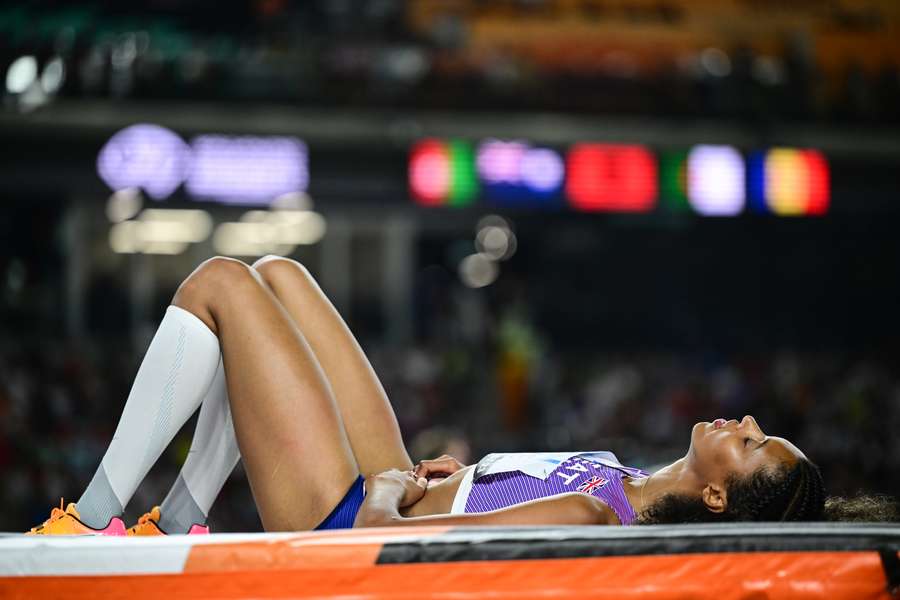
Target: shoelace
x=56, y=513
x=141, y=521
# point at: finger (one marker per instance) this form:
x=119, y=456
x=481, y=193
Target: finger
x=447, y=465
x=424, y=469
x=437, y=465
x=441, y=458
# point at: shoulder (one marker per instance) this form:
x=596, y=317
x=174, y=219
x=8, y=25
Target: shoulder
x=588, y=510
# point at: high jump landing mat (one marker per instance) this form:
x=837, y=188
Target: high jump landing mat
x=752, y=561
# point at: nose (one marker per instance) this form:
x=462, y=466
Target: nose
x=750, y=424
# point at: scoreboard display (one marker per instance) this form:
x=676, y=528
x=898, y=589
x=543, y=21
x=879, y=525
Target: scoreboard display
x=581, y=176
x=706, y=179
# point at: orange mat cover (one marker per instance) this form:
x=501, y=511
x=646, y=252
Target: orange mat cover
x=345, y=564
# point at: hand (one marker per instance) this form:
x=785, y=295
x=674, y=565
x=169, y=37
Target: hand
x=413, y=488
x=438, y=468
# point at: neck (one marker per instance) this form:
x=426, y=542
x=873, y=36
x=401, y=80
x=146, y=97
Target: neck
x=674, y=478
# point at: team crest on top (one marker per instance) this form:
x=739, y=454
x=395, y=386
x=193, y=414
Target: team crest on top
x=592, y=485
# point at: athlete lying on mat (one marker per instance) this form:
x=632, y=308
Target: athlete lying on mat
x=277, y=373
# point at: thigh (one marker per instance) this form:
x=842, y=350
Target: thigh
x=292, y=440
x=367, y=414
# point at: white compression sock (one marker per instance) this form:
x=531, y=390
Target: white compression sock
x=173, y=379
x=212, y=457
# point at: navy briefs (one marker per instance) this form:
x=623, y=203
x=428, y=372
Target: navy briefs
x=344, y=513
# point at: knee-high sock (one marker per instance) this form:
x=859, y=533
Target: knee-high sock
x=173, y=379
x=212, y=457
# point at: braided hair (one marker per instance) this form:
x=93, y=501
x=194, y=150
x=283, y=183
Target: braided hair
x=783, y=493
x=870, y=508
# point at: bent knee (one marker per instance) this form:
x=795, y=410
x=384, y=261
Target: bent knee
x=277, y=271
x=221, y=270
x=214, y=277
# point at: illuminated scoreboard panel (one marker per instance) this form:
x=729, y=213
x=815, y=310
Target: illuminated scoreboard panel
x=519, y=174
x=614, y=178
x=705, y=179
x=443, y=173
x=247, y=170
x=787, y=181
x=709, y=180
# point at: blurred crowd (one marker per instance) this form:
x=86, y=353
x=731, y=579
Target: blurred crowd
x=59, y=406
x=751, y=59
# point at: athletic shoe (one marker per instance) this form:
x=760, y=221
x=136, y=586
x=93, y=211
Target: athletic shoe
x=148, y=524
x=68, y=522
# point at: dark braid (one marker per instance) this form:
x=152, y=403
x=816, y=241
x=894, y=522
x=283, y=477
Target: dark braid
x=808, y=501
x=782, y=493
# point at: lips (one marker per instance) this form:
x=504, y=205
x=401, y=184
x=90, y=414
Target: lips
x=719, y=423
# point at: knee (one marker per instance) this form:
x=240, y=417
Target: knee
x=278, y=272
x=216, y=278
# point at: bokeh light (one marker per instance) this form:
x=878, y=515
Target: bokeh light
x=478, y=271
x=21, y=74
x=716, y=184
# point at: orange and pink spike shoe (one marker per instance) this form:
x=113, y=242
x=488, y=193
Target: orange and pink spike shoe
x=148, y=524
x=68, y=522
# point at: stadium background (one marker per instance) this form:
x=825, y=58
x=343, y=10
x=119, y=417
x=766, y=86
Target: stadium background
x=551, y=224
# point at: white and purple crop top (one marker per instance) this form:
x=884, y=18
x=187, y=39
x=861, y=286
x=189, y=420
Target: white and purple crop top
x=501, y=480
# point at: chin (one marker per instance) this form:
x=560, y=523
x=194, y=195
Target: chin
x=697, y=431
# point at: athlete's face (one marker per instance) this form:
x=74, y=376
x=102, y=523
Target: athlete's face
x=720, y=448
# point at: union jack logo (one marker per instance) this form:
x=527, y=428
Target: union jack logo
x=592, y=485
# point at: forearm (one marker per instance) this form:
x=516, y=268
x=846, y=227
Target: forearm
x=566, y=509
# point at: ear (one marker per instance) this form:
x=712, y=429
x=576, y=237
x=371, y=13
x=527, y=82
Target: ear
x=714, y=497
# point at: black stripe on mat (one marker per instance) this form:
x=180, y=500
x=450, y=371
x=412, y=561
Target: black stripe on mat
x=891, y=564
x=524, y=544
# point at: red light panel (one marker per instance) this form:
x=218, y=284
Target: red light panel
x=614, y=178
x=430, y=173
x=819, y=182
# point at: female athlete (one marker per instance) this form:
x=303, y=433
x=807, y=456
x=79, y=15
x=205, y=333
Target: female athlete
x=284, y=386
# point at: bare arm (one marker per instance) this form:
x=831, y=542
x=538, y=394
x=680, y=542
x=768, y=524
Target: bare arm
x=386, y=495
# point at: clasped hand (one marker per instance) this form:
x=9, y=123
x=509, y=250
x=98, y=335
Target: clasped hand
x=413, y=484
x=405, y=482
